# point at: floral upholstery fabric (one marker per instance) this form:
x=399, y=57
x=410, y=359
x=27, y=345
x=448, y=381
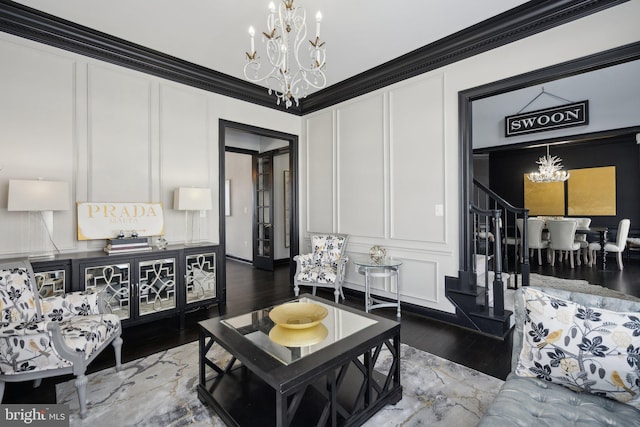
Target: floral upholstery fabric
x=26, y=344
x=72, y=304
x=318, y=274
x=88, y=333
x=584, y=348
x=321, y=266
x=27, y=347
x=327, y=249
x=16, y=297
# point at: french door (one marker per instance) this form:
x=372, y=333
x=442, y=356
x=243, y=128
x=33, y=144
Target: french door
x=263, y=212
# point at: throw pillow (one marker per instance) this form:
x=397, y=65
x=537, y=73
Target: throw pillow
x=586, y=349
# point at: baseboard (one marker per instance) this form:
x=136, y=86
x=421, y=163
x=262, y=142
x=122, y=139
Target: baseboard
x=235, y=258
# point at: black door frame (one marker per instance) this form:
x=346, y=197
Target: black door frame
x=608, y=58
x=294, y=248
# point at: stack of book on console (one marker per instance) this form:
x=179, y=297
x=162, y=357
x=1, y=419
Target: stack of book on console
x=131, y=244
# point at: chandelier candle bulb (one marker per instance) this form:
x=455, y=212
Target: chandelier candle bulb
x=318, y=19
x=252, y=34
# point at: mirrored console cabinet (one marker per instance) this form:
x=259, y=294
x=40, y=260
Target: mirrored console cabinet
x=139, y=286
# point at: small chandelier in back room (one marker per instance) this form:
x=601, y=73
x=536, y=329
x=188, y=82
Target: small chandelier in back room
x=288, y=71
x=549, y=170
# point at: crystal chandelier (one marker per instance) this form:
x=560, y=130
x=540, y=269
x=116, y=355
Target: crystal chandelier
x=285, y=36
x=549, y=170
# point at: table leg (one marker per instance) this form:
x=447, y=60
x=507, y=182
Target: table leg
x=398, y=291
x=367, y=291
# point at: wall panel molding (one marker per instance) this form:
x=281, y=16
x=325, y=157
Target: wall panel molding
x=417, y=160
x=361, y=188
x=119, y=139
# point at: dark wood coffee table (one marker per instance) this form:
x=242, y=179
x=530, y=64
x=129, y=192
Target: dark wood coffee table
x=325, y=376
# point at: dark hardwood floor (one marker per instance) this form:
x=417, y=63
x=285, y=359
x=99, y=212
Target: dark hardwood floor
x=249, y=289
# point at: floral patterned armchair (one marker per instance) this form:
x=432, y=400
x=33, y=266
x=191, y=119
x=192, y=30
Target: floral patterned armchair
x=325, y=266
x=46, y=337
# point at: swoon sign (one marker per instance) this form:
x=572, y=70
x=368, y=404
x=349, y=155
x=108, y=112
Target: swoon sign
x=564, y=116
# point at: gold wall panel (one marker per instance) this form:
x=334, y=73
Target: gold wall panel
x=544, y=198
x=592, y=191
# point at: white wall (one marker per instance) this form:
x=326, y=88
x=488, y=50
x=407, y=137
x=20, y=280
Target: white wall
x=378, y=166
x=115, y=135
x=239, y=225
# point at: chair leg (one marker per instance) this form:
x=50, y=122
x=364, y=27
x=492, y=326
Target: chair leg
x=336, y=294
x=619, y=258
x=117, y=348
x=296, y=289
x=1, y=390
x=570, y=253
x=539, y=256
x=81, y=386
x=37, y=382
x=553, y=257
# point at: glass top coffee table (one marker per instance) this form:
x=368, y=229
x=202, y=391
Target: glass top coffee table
x=267, y=374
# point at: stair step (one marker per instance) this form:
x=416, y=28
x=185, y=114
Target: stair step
x=492, y=324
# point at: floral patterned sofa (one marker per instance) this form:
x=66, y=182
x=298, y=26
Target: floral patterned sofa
x=575, y=361
x=45, y=337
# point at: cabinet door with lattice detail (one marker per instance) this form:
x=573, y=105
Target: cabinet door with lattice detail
x=113, y=282
x=200, y=278
x=156, y=285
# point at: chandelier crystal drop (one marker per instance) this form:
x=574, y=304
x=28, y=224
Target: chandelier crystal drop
x=289, y=71
x=549, y=170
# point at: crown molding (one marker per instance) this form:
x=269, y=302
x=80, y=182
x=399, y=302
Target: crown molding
x=33, y=24
x=518, y=23
x=523, y=21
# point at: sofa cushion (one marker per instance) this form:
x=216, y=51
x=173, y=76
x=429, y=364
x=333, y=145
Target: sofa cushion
x=584, y=348
x=531, y=402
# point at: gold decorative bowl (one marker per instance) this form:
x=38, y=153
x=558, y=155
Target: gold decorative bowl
x=298, y=315
x=298, y=337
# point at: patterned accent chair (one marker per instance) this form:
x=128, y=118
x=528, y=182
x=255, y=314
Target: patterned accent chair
x=325, y=266
x=46, y=337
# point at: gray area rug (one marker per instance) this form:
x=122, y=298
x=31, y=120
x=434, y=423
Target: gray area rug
x=160, y=390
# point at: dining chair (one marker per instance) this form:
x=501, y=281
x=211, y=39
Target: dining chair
x=514, y=240
x=617, y=247
x=583, y=223
x=534, y=237
x=562, y=234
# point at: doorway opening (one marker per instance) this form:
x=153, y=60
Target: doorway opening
x=273, y=193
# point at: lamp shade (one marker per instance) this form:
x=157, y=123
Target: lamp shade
x=192, y=199
x=37, y=195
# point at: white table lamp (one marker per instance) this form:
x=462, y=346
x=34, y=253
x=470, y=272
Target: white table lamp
x=40, y=198
x=192, y=200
